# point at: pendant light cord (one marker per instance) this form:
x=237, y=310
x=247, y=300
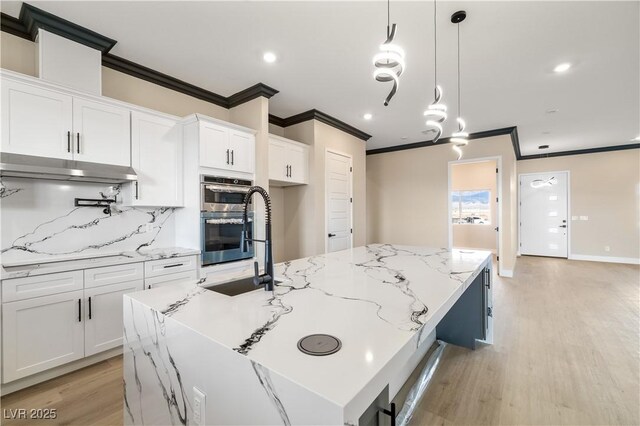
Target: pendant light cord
x=435, y=45
x=459, y=104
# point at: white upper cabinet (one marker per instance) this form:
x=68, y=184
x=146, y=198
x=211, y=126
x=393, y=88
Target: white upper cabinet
x=243, y=147
x=156, y=154
x=102, y=132
x=214, y=146
x=45, y=122
x=225, y=147
x=36, y=121
x=288, y=162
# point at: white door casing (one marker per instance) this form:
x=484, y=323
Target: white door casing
x=544, y=221
x=339, y=203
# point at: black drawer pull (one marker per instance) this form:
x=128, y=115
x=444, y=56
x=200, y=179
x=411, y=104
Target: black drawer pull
x=68, y=141
x=79, y=310
x=174, y=265
x=89, y=307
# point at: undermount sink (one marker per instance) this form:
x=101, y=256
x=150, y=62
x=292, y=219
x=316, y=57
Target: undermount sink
x=237, y=287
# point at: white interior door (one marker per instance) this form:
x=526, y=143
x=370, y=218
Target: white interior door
x=338, y=202
x=543, y=214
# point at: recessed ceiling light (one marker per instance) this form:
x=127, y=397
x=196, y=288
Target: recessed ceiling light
x=552, y=111
x=269, y=57
x=543, y=147
x=546, y=133
x=562, y=67
x=637, y=138
x=367, y=116
x=404, y=138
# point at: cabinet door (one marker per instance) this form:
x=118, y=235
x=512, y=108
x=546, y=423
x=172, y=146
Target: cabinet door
x=214, y=146
x=298, y=160
x=157, y=159
x=102, y=133
x=242, y=147
x=103, y=315
x=277, y=160
x=41, y=333
x=35, y=121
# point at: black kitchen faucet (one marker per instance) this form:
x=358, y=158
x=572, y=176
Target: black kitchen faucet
x=267, y=278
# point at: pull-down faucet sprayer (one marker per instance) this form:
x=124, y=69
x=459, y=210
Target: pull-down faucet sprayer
x=267, y=278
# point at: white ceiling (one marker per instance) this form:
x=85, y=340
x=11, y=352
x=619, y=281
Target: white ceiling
x=509, y=50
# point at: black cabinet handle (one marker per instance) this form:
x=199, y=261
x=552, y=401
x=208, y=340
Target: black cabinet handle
x=227, y=156
x=232, y=157
x=332, y=235
x=78, y=140
x=89, y=307
x=136, y=190
x=69, y=141
x=173, y=266
x=487, y=274
x=79, y=310
x=290, y=170
x=391, y=413
x=562, y=226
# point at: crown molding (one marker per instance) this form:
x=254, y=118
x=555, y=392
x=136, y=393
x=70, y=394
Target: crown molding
x=582, y=151
x=511, y=131
x=139, y=71
x=248, y=94
x=34, y=19
x=14, y=26
x=314, y=114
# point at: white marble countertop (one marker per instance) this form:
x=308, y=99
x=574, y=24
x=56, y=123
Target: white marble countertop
x=46, y=266
x=375, y=299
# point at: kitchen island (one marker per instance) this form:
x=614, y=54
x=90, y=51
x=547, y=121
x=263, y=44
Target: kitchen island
x=383, y=302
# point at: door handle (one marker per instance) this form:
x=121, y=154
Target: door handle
x=78, y=140
x=562, y=226
x=331, y=235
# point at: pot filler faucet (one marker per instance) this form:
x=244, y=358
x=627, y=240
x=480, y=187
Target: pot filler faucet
x=267, y=278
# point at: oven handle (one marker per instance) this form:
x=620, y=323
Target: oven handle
x=225, y=221
x=226, y=188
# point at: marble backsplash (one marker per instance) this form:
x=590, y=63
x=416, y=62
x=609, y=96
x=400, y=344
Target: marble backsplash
x=38, y=222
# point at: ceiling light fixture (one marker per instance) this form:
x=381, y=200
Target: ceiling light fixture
x=269, y=57
x=562, y=67
x=637, y=138
x=436, y=113
x=460, y=138
x=367, y=116
x=389, y=62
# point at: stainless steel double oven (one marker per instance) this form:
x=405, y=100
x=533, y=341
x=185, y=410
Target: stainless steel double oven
x=221, y=219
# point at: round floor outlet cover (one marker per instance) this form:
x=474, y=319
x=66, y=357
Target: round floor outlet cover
x=319, y=344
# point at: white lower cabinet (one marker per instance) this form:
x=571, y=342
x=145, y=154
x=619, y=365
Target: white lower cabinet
x=41, y=333
x=51, y=320
x=103, y=316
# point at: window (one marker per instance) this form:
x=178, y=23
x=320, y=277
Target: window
x=471, y=207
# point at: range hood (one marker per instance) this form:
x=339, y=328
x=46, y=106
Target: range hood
x=28, y=166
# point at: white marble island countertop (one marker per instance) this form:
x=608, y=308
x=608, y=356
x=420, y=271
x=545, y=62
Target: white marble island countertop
x=378, y=300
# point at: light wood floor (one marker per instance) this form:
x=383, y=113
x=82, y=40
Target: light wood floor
x=567, y=351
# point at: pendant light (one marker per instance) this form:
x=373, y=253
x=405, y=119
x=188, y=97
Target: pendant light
x=459, y=139
x=389, y=62
x=436, y=113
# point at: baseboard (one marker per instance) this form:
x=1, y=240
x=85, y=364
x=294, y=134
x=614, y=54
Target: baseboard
x=52, y=373
x=508, y=273
x=607, y=259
